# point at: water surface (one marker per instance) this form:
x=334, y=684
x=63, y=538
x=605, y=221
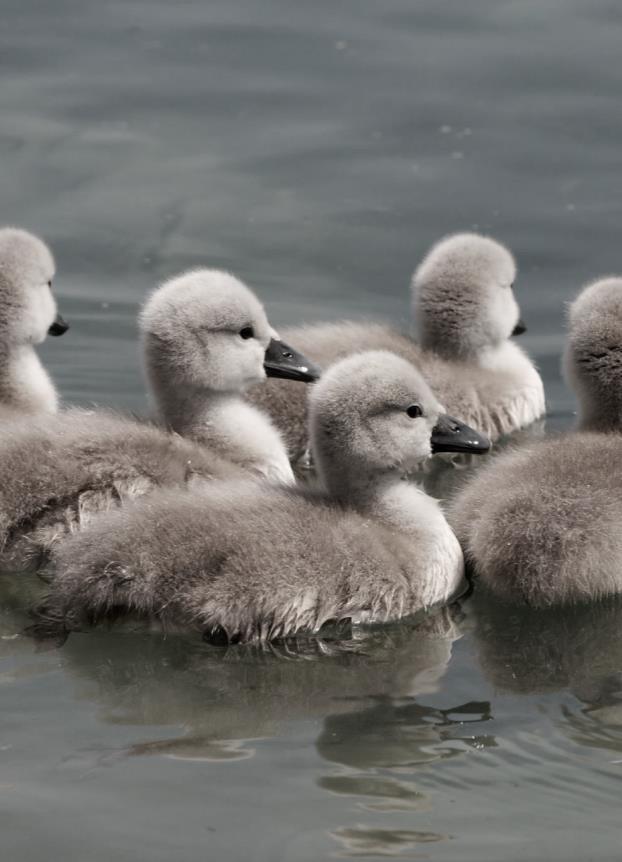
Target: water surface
x=315, y=149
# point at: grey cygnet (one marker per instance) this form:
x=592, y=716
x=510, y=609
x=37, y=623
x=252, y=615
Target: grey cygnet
x=464, y=313
x=206, y=338
x=252, y=562
x=542, y=525
x=28, y=313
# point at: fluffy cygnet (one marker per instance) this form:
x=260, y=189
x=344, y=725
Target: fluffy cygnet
x=464, y=315
x=542, y=525
x=258, y=562
x=206, y=338
x=28, y=314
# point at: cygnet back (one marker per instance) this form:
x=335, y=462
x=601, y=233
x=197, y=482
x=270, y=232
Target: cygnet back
x=60, y=472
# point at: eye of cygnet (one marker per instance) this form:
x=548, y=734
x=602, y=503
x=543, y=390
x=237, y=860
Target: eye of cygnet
x=414, y=411
x=247, y=332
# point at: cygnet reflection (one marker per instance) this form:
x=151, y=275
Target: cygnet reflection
x=220, y=699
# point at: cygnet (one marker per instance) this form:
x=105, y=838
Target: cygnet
x=464, y=313
x=542, y=525
x=28, y=314
x=256, y=562
x=206, y=338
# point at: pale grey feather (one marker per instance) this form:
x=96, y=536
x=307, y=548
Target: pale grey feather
x=66, y=469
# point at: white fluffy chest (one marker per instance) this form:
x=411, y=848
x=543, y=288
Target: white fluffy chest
x=249, y=438
x=30, y=384
x=520, y=399
x=436, y=550
x=445, y=569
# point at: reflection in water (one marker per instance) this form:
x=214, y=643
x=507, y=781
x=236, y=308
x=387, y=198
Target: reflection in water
x=362, y=841
x=223, y=698
x=389, y=734
x=385, y=743
x=575, y=648
x=19, y=657
x=384, y=793
x=599, y=727
x=191, y=748
x=405, y=758
x=382, y=745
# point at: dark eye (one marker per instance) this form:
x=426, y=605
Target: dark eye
x=247, y=332
x=414, y=411
x=50, y=284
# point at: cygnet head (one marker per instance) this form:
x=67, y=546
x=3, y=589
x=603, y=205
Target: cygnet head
x=593, y=354
x=27, y=306
x=463, y=301
x=205, y=329
x=372, y=415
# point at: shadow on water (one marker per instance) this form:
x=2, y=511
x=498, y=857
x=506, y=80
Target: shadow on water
x=221, y=699
x=576, y=649
x=549, y=734
x=225, y=703
x=495, y=708
x=18, y=654
x=383, y=842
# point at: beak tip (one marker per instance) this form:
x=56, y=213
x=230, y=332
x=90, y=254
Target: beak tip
x=283, y=361
x=59, y=327
x=451, y=435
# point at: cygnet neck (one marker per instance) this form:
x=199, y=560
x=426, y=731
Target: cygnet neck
x=594, y=378
x=385, y=495
x=600, y=412
x=451, y=349
x=25, y=385
x=224, y=421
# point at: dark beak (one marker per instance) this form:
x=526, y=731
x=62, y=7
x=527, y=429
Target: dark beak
x=59, y=327
x=281, y=360
x=451, y=435
x=520, y=327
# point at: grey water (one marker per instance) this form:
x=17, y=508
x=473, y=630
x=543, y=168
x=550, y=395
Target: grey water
x=316, y=149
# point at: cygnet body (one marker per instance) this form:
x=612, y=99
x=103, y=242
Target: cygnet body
x=252, y=562
x=542, y=525
x=28, y=313
x=206, y=338
x=464, y=315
